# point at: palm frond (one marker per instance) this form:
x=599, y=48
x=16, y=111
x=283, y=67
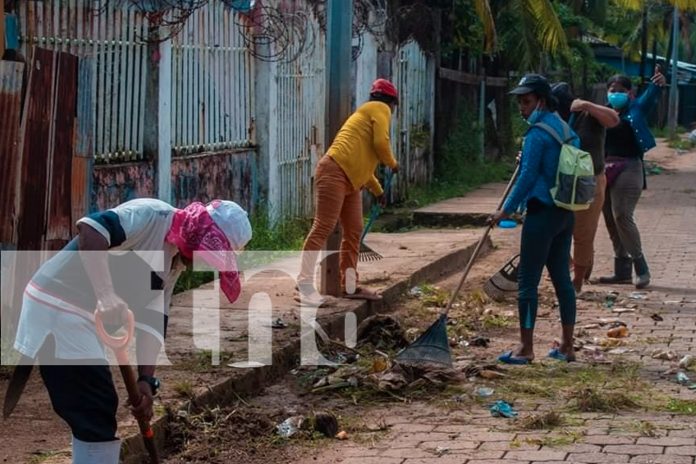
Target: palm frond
x=483, y=10
x=548, y=29
x=631, y=4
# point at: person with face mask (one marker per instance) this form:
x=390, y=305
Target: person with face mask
x=625, y=147
x=590, y=121
x=548, y=230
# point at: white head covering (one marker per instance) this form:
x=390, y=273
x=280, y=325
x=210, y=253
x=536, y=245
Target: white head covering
x=232, y=220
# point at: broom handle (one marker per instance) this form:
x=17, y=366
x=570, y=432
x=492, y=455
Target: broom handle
x=479, y=245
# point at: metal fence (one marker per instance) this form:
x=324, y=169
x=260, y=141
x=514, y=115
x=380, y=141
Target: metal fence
x=212, y=83
x=112, y=38
x=299, y=133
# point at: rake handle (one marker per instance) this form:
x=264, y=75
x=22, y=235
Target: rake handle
x=479, y=245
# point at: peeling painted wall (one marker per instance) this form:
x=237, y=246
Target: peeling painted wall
x=227, y=175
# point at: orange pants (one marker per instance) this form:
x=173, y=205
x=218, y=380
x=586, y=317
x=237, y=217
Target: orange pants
x=336, y=201
x=586, y=226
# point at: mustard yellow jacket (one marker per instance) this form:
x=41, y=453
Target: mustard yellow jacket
x=362, y=143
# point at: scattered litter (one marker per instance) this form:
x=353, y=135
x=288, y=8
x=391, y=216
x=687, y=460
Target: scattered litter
x=672, y=301
x=382, y=332
x=688, y=362
x=591, y=326
x=379, y=365
x=657, y=318
x=502, y=409
x=326, y=423
x=279, y=324
x=618, y=310
x=416, y=292
x=441, y=451
x=485, y=392
x=490, y=375
x=480, y=341
x=596, y=355
x=618, y=332
x=612, y=322
x=608, y=343
x=638, y=296
x=291, y=426
x=342, y=435
x=620, y=351
x=683, y=379
x=665, y=355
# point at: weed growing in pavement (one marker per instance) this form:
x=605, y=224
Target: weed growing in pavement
x=592, y=400
x=646, y=429
x=543, y=421
x=679, y=406
x=565, y=438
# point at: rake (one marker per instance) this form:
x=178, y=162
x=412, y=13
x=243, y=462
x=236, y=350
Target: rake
x=367, y=254
x=433, y=344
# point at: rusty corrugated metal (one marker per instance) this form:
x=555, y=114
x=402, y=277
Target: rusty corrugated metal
x=59, y=211
x=35, y=151
x=10, y=101
x=83, y=159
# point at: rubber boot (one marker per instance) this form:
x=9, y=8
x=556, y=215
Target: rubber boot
x=102, y=452
x=622, y=272
x=642, y=279
x=579, y=277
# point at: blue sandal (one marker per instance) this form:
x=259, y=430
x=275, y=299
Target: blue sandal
x=508, y=358
x=556, y=354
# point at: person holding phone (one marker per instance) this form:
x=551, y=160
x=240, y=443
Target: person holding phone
x=625, y=148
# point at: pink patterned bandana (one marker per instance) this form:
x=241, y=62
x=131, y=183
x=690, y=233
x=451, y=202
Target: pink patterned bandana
x=193, y=230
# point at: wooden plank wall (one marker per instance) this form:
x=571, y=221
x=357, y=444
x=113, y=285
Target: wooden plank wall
x=10, y=101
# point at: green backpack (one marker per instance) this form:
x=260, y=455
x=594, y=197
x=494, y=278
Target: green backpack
x=575, y=180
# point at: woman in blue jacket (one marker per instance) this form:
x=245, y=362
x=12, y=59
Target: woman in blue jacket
x=548, y=230
x=625, y=147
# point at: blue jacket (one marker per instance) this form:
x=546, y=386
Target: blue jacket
x=636, y=116
x=539, y=163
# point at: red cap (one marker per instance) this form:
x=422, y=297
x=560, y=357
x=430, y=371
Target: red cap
x=384, y=87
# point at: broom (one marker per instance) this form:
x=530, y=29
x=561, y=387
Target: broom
x=433, y=345
x=367, y=254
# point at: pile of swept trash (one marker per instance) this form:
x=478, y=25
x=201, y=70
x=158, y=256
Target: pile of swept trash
x=370, y=367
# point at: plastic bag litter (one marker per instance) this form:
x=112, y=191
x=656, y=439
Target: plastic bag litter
x=688, y=362
x=290, y=426
x=502, y=409
x=485, y=392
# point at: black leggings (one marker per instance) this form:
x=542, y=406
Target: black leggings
x=84, y=396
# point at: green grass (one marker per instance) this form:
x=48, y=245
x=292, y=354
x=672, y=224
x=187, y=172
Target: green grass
x=663, y=132
x=472, y=176
x=678, y=406
x=679, y=143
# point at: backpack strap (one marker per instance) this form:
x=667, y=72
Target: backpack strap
x=567, y=135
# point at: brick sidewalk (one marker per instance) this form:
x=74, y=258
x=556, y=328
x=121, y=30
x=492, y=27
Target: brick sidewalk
x=422, y=434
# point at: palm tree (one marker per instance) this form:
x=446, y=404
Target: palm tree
x=524, y=31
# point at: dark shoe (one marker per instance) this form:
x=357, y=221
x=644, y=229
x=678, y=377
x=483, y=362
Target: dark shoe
x=622, y=272
x=642, y=279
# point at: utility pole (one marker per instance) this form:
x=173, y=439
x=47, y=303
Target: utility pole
x=673, y=90
x=339, y=34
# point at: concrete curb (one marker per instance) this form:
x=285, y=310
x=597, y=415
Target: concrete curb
x=440, y=220
x=250, y=381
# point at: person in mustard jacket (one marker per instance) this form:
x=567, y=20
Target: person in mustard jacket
x=348, y=166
